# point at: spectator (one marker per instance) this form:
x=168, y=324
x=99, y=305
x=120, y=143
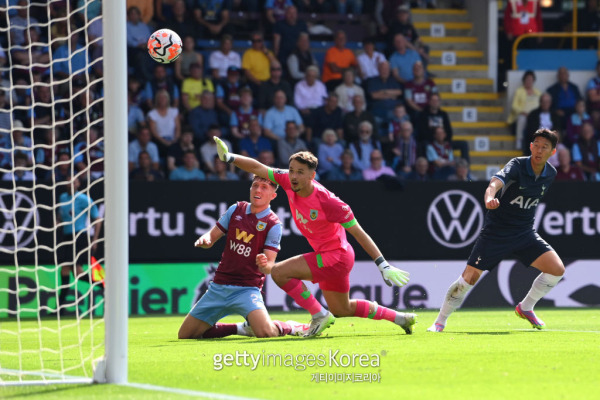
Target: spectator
x=337, y=58
x=255, y=142
x=268, y=88
x=135, y=115
x=33, y=51
x=16, y=142
x=183, y=22
x=137, y=43
x=384, y=93
x=213, y=16
x=193, y=87
x=19, y=23
x=300, y=58
x=178, y=149
x=395, y=125
x=420, y=172
x=286, y=34
x=203, y=116
x=346, y=171
x=328, y=116
x=257, y=61
x=188, y=58
x=62, y=169
x=228, y=94
x=403, y=59
x=405, y=151
x=220, y=60
x=525, y=100
x=593, y=97
x=5, y=113
x=146, y=9
x=221, y=173
x=353, y=119
x=278, y=115
x=189, y=170
x=19, y=171
x=431, y=118
x=267, y=158
x=144, y=171
x=362, y=148
x=347, y=90
x=160, y=81
x=290, y=144
x=385, y=12
x=462, y=173
x=440, y=156
x=418, y=91
x=87, y=109
x=309, y=93
x=89, y=154
x=404, y=26
x=70, y=59
x=43, y=111
x=567, y=171
x=559, y=145
x=240, y=119
x=209, y=148
x=142, y=143
x=543, y=116
x=343, y=6
x=46, y=155
x=586, y=153
x=522, y=16
x=330, y=152
x=164, y=122
x=574, y=123
x=564, y=94
x=275, y=10
x=377, y=167
x=369, y=60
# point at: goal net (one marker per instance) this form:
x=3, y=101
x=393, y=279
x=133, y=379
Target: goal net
x=52, y=139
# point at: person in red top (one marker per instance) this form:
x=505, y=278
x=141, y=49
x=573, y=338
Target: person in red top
x=337, y=59
x=253, y=235
x=567, y=171
x=323, y=220
x=522, y=16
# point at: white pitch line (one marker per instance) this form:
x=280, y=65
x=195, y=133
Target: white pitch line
x=556, y=330
x=187, y=392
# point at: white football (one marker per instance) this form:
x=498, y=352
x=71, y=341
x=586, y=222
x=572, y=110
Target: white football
x=164, y=46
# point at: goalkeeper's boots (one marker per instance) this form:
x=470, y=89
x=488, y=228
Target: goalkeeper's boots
x=436, y=328
x=529, y=316
x=319, y=324
x=406, y=321
x=298, y=329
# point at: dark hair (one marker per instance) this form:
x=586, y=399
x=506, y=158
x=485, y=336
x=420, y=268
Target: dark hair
x=213, y=126
x=256, y=178
x=528, y=73
x=307, y=158
x=552, y=136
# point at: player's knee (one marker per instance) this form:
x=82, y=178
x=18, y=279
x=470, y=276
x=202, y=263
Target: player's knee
x=182, y=334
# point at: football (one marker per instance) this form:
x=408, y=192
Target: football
x=164, y=46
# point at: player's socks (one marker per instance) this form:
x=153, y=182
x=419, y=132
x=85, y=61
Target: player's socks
x=454, y=298
x=363, y=310
x=283, y=327
x=541, y=286
x=244, y=329
x=304, y=298
x=220, y=330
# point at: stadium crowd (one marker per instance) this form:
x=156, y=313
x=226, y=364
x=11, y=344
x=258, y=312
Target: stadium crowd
x=368, y=108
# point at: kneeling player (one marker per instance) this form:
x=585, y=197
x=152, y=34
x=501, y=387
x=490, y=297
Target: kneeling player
x=253, y=237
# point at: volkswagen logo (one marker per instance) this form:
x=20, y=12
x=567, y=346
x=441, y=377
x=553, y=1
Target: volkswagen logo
x=454, y=219
x=18, y=221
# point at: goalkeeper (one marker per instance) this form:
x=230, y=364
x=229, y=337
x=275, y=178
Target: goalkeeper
x=323, y=219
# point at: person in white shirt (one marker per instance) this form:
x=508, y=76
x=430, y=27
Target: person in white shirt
x=223, y=58
x=310, y=92
x=369, y=60
x=347, y=90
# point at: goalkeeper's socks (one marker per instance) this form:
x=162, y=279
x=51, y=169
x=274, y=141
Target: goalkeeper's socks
x=454, y=298
x=367, y=309
x=220, y=330
x=541, y=286
x=303, y=297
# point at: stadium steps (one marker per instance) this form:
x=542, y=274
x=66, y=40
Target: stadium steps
x=470, y=66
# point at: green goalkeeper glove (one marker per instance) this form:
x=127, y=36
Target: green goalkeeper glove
x=223, y=151
x=392, y=275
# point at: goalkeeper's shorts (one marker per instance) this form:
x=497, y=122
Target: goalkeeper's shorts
x=331, y=269
x=74, y=249
x=220, y=301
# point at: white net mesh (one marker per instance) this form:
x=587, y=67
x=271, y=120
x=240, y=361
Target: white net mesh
x=51, y=190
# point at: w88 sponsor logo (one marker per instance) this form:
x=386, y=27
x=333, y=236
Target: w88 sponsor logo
x=240, y=248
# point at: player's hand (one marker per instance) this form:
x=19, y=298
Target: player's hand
x=223, y=151
x=392, y=275
x=203, y=242
x=262, y=262
x=492, y=204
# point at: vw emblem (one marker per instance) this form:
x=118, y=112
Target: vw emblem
x=454, y=219
x=18, y=217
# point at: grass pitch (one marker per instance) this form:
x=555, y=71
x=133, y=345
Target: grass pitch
x=488, y=354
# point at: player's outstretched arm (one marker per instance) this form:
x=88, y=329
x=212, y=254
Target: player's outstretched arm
x=265, y=261
x=391, y=275
x=207, y=240
x=245, y=163
x=490, y=200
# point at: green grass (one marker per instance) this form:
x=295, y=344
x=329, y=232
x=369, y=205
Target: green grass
x=488, y=354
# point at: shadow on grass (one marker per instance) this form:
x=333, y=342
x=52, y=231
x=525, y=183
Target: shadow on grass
x=482, y=333
x=45, y=390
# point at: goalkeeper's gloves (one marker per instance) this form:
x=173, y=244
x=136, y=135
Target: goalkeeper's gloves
x=392, y=275
x=223, y=151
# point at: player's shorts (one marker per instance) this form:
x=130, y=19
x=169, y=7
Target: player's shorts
x=331, y=269
x=73, y=248
x=490, y=249
x=220, y=301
